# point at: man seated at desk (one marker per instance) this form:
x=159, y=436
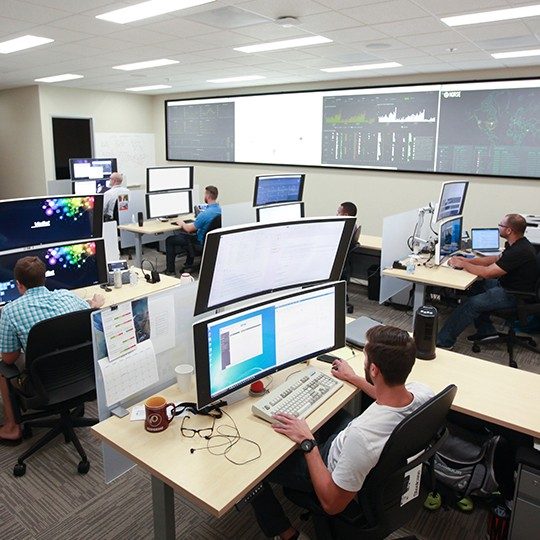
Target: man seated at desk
x=192, y=233
x=334, y=466
x=515, y=269
x=110, y=198
x=36, y=304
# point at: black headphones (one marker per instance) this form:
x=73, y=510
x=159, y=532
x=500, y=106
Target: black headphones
x=153, y=276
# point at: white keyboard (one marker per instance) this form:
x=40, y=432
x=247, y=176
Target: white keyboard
x=299, y=395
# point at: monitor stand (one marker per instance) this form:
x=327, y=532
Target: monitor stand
x=237, y=395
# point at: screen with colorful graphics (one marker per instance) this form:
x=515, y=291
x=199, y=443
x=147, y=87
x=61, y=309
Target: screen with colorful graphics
x=69, y=266
x=39, y=220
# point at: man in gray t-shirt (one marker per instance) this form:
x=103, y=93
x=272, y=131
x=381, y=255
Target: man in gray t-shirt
x=334, y=465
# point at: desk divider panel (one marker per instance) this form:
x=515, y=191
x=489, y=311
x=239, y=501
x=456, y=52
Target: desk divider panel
x=397, y=229
x=137, y=345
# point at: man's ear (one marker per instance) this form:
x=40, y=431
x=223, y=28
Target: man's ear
x=374, y=371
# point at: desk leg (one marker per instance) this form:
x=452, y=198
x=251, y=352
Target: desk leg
x=163, y=506
x=419, y=297
x=138, y=250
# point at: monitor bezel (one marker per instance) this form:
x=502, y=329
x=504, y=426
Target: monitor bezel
x=148, y=195
x=291, y=175
x=200, y=342
x=97, y=219
x=148, y=169
x=263, y=208
x=466, y=182
x=211, y=248
x=440, y=224
x=114, y=167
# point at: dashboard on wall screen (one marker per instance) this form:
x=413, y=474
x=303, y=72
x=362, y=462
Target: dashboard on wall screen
x=487, y=128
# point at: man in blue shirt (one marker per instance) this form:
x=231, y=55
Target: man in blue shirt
x=36, y=304
x=193, y=233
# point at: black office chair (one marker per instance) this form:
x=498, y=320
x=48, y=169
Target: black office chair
x=528, y=303
x=379, y=509
x=60, y=380
x=347, y=267
x=196, y=248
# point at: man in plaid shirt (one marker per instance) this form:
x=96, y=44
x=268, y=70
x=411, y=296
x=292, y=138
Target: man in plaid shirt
x=17, y=318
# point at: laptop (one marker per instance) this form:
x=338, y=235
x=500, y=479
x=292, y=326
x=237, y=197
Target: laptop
x=355, y=331
x=485, y=241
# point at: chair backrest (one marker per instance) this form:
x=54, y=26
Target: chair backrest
x=59, y=358
x=214, y=224
x=415, y=439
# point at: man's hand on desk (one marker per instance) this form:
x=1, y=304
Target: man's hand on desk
x=295, y=428
x=457, y=262
x=96, y=301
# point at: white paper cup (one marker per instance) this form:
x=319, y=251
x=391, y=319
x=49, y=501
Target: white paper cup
x=184, y=377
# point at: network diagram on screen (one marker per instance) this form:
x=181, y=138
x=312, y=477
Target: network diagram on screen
x=486, y=128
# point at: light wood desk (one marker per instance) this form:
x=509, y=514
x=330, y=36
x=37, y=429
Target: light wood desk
x=128, y=292
x=370, y=242
x=440, y=276
x=151, y=226
x=498, y=394
x=208, y=480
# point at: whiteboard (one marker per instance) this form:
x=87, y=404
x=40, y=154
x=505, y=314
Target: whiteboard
x=134, y=152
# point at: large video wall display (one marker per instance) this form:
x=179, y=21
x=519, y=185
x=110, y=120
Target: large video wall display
x=488, y=128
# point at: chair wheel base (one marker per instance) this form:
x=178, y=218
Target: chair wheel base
x=19, y=469
x=26, y=431
x=476, y=348
x=83, y=467
x=513, y=364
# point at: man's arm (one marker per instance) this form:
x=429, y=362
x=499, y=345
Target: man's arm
x=10, y=357
x=343, y=371
x=96, y=301
x=333, y=499
x=187, y=227
x=489, y=270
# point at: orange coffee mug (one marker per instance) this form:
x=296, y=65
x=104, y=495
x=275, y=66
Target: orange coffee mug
x=157, y=414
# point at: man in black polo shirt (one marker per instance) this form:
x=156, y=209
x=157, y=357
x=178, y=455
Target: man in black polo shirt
x=515, y=269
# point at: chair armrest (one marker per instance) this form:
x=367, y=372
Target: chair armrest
x=9, y=371
x=522, y=294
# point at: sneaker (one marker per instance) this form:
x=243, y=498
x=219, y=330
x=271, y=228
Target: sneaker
x=186, y=268
x=482, y=337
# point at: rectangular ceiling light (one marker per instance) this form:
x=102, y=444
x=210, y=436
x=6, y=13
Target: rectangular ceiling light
x=152, y=87
x=147, y=64
x=145, y=10
x=23, y=42
x=516, y=54
x=286, y=44
x=492, y=16
x=60, y=78
x=384, y=65
x=237, y=79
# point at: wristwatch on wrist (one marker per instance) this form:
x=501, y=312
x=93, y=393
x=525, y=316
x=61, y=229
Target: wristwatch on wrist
x=307, y=445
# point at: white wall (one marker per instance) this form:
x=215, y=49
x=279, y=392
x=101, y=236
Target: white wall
x=21, y=149
x=376, y=193
x=111, y=112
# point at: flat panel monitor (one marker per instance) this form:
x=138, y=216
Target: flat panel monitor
x=168, y=178
x=249, y=260
x=449, y=238
x=69, y=266
x=452, y=199
x=280, y=213
x=276, y=189
x=89, y=187
x=91, y=168
x=48, y=220
x=169, y=204
x=235, y=349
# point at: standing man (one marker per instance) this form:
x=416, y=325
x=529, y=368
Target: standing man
x=515, y=269
x=110, y=197
x=192, y=233
x=333, y=467
x=36, y=304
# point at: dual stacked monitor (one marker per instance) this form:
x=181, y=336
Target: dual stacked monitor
x=168, y=191
x=299, y=262
x=64, y=232
x=278, y=198
x=91, y=175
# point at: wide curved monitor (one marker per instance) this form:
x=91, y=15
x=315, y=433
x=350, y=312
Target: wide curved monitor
x=235, y=349
x=452, y=199
x=280, y=212
x=68, y=266
x=246, y=261
x=91, y=168
x=278, y=188
x=48, y=220
x=168, y=178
